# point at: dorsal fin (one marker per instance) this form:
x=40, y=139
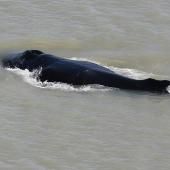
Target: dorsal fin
x=31, y=54
x=37, y=52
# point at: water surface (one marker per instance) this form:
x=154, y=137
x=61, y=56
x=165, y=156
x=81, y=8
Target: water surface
x=92, y=128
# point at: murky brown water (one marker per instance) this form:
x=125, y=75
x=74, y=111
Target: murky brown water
x=62, y=128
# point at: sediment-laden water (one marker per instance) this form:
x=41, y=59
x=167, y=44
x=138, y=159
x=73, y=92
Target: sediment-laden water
x=58, y=127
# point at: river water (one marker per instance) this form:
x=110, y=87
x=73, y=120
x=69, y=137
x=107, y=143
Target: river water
x=58, y=127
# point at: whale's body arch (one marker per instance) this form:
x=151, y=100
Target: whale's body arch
x=56, y=69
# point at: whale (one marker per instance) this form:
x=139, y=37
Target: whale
x=78, y=72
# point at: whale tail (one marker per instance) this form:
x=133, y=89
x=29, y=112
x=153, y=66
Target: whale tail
x=159, y=86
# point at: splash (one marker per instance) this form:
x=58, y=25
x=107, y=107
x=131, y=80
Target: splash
x=31, y=78
x=168, y=89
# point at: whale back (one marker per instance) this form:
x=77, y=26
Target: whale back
x=56, y=69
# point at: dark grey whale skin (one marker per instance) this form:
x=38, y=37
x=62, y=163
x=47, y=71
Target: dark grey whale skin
x=57, y=69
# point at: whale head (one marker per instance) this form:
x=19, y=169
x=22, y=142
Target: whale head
x=19, y=60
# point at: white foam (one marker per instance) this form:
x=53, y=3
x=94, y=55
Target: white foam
x=168, y=89
x=30, y=77
x=131, y=73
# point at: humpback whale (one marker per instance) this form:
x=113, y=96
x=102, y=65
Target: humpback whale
x=77, y=73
